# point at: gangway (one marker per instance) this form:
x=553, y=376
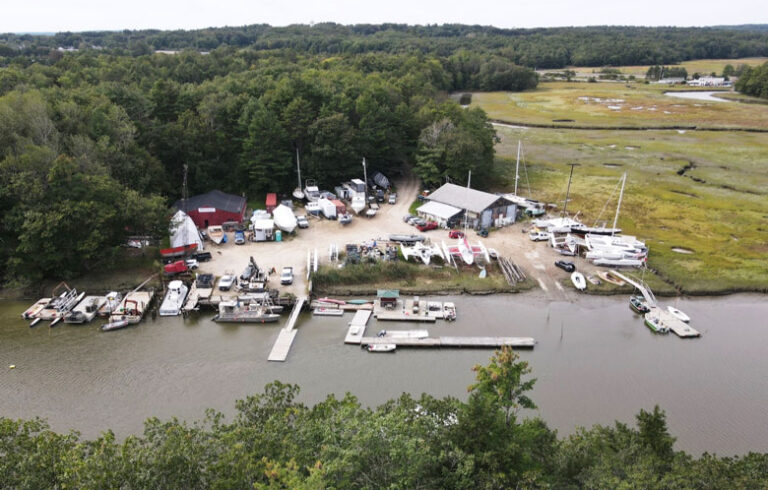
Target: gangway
x=650, y=299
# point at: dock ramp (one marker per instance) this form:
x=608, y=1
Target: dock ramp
x=285, y=338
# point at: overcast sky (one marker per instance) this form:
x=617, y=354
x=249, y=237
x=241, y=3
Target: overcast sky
x=81, y=15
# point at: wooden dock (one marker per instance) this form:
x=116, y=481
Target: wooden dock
x=357, y=327
x=454, y=342
x=287, y=334
x=408, y=310
x=192, y=299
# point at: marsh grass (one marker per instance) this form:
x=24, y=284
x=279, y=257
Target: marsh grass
x=722, y=216
x=642, y=106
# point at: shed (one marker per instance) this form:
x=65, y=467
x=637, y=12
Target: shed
x=213, y=208
x=443, y=214
x=482, y=209
x=271, y=202
x=388, y=297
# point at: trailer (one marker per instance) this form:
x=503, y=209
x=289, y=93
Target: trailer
x=328, y=208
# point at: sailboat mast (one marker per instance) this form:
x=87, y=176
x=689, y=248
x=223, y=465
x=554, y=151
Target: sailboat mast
x=618, y=205
x=568, y=190
x=365, y=180
x=517, y=166
x=298, y=166
x=466, y=198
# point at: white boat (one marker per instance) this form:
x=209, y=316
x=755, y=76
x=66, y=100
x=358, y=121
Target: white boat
x=345, y=219
x=311, y=191
x=216, y=234
x=237, y=312
x=284, y=218
x=435, y=309
x=619, y=262
x=133, y=306
x=655, y=322
x=465, y=251
x=33, y=310
x=112, y=302
x=357, y=204
x=578, y=280
x=382, y=347
x=174, y=299
x=86, y=310
x=60, y=306
x=320, y=311
x=449, y=311
x=678, y=314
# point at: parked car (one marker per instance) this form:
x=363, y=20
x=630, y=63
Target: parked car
x=429, y=225
x=203, y=256
x=455, y=234
x=302, y=221
x=393, y=198
x=239, y=237
x=379, y=195
x=226, y=282
x=566, y=266
x=248, y=272
x=286, y=276
x=407, y=218
x=418, y=222
x=539, y=236
x=191, y=264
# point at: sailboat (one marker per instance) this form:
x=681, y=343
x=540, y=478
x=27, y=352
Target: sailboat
x=297, y=192
x=582, y=229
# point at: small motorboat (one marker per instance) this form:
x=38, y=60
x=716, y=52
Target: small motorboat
x=115, y=325
x=328, y=312
x=678, y=314
x=113, y=302
x=332, y=301
x=577, y=278
x=33, y=310
x=638, y=305
x=654, y=322
x=382, y=347
x=449, y=311
x=345, y=219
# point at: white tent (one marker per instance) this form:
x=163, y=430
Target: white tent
x=183, y=231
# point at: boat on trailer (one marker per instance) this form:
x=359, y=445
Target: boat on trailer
x=86, y=310
x=216, y=234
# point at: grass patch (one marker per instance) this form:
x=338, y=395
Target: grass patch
x=718, y=207
x=704, y=67
x=611, y=105
x=410, y=278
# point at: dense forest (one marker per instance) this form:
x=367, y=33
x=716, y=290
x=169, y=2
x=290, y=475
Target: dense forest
x=274, y=441
x=754, y=81
x=92, y=144
x=534, y=48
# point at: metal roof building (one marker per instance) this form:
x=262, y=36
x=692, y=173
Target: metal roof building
x=483, y=209
x=437, y=211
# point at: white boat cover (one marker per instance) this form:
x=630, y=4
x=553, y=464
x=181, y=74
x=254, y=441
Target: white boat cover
x=263, y=224
x=183, y=231
x=284, y=218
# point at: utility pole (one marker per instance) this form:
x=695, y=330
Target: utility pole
x=568, y=190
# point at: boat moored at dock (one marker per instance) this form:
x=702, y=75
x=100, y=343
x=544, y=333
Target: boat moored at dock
x=174, y=299
x=236, y=312
x=112, y=302
x=86, y=310
x=639, y=305
x=133, y=307
x=31, y=312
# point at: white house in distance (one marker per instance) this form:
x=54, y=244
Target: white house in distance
x=483, y=210
x=709, y=82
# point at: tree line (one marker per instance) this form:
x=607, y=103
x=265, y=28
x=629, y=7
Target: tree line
x=548, y=48
x=93, y=145
x=754, y=81
x=274, y=441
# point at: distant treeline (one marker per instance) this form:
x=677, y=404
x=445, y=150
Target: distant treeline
x=274, y=442
x=534, y=48
x=754, y=81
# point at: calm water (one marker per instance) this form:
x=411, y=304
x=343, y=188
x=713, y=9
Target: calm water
x=595, y=363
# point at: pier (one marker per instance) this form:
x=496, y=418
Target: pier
x=287, y=334
x=357, y=327
x=453, y=342
x=408, y=310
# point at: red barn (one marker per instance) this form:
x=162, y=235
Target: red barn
x=214, y=208
x=271, y=202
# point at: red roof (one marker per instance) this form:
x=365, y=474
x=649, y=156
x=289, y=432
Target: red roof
x=271, y=199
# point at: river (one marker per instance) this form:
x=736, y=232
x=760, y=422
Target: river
x=706, y=96
x=595, y=363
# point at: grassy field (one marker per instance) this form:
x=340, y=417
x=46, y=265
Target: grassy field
x=410, y=279
x=717, y=207
x=704, y=67
x=611, y=105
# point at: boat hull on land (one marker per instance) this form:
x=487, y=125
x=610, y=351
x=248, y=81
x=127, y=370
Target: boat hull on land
x=577, y=278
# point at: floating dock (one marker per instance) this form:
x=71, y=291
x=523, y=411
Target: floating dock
x=453, y=342
x=192, y=298
x=408, y=310
x=285, y=338
x=357, y=327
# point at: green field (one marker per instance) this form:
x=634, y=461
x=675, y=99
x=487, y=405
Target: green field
x=704, y=67
x=718, y=208
x=611, y=105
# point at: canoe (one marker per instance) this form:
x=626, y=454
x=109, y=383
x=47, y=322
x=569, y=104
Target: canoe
x=577, y=278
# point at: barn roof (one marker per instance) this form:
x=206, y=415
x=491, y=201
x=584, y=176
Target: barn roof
x=214, y=199
x=464, y=198
x=439, y=210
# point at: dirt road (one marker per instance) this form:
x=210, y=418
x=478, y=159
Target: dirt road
x=536, y=259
